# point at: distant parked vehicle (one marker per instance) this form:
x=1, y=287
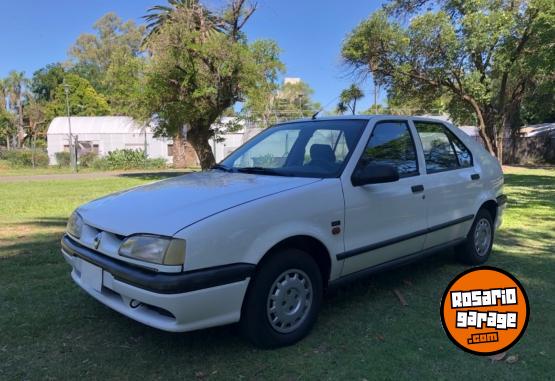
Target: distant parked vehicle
x=302, y=206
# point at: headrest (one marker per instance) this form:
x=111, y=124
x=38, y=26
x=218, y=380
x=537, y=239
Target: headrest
x=322, y=152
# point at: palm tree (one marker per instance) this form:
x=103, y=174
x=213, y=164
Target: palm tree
x=3, y=93
x=341, y=108
x=349, y=97
x=16, y=87
x=203, y=18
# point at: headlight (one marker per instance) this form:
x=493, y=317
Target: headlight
x=75, y=225
x=154, y=249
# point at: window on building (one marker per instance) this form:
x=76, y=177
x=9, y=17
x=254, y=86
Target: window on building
x=170, y=149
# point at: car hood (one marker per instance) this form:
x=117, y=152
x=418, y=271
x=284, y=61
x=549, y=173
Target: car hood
x=167, y=206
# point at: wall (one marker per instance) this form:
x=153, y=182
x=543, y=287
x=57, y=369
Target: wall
x=537, y=149
x=156, y=147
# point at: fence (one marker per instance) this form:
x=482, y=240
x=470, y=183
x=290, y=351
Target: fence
x=529, y=150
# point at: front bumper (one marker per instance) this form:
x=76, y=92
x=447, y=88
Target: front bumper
x=171, y=302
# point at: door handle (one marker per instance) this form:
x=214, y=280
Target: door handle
x=417, y=188
x=475, y=176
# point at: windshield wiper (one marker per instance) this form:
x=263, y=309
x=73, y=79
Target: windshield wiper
x=262, y=171
x=222, y=167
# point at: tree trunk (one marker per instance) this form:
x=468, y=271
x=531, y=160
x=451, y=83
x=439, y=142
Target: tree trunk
x=20, y=129
x=183, y=153
x=198, y=137
x=483, y=128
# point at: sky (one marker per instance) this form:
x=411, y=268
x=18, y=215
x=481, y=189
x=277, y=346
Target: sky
x=310, y=33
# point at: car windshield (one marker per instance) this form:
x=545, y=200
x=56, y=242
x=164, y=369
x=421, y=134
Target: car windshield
x=305, y=149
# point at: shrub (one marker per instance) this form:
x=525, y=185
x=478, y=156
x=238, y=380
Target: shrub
x=127, y=159
x=86, y=160
x=62, y=158
x=24, y=158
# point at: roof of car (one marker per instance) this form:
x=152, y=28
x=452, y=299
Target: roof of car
x=365, y=117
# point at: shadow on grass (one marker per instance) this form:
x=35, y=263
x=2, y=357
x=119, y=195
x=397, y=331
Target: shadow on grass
x=47, y=320
x=46, y=222
x=527, y=180
x=35, y=288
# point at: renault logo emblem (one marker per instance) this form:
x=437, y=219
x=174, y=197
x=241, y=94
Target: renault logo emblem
x=97, y=240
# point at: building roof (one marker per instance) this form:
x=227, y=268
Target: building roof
x=96, y=125
x=538, y=129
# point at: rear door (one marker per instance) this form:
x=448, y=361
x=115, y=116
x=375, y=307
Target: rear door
x=451, y=183
x=384, y=222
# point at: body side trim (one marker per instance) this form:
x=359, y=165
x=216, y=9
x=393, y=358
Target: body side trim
x=393, y=263
x=379, y=245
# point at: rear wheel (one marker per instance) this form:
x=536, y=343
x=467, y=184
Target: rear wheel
x=479, y=241
x=283, y=299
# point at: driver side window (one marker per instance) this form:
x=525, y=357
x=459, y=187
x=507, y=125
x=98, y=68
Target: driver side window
x=391, y=143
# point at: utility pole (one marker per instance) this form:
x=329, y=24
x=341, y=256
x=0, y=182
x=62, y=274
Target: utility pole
x=72, y=151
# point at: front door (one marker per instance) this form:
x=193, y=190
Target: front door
x=384, y=222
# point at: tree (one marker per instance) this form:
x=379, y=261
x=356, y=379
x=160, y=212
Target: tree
x=4, y=91
x=482, y=53
x=122, y=83
x=93, y=54
x=201, y=64
x=261, y=96
x=45, y=81
x=83, y=99
x=348, y=99
x=16, y=86
x=538, y=105
x=7, y=126
x=294, y=100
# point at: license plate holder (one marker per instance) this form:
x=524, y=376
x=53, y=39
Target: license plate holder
x=91, y=275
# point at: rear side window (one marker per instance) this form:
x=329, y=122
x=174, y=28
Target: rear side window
x=443, y=151
x=391, y=143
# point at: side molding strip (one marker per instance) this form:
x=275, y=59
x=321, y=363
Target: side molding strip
x=392, y=241
x=392, y=263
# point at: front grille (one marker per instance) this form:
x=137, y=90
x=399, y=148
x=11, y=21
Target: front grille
x=108, y=243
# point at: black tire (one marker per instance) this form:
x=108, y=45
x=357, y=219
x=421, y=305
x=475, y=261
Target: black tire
x=471, y=253
x=255, y=317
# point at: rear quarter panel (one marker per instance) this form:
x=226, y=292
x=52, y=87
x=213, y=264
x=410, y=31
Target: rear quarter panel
x=491, y=173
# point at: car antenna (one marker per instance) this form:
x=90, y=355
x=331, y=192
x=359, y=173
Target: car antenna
x=323, y=107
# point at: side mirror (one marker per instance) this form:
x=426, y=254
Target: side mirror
x=374, y=174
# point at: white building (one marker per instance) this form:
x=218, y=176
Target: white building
x=102, y=134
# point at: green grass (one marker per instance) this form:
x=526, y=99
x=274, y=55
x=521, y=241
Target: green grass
x=7, y=171
x=49, y=329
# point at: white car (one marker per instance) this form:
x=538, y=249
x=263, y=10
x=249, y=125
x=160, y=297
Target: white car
x=302, y=206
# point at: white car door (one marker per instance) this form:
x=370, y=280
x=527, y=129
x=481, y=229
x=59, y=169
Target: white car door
x=386, y=221
x=452, y=184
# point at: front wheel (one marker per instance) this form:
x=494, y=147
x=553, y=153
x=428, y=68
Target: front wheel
x=477, y=247
x=283, y=299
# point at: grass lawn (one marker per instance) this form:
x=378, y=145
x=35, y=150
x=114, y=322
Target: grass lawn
x=7, y=171
x=50, y=329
